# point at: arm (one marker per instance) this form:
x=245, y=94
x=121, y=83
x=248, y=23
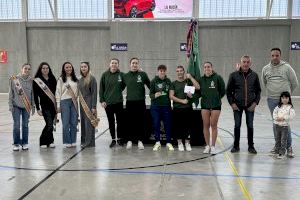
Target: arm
x=275, y=114
x=102, y=89
x=194, y=82
x=11, y=95
x=152, y=89
x=263, y=77
x=293, y=79
x=172, y=97
x=257, y=90
x=290, y=115
x=229, y=90
x=36, y=96
x=94, y=93
x=58, y=93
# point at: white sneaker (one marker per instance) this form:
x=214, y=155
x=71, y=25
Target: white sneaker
x=213, y=150
x=180, y=147
x=157, y=146
x=207, y=149
x=25, y=147
x=16, y=147
x=52, y=145
x=43, y=146
x=170, y=147
x=290, y=152
x=140, y=145
x=73, y=145
x=188, y=146
x=129, y=145
x=68, y=145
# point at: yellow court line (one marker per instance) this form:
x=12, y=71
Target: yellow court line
x=233, y=168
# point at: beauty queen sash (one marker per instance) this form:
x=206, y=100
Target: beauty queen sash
x=21, y=93
x=93, y=118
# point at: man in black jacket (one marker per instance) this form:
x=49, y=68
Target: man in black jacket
x=243, y=94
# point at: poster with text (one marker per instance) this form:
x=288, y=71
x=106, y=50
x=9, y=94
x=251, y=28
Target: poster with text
x=155, y=9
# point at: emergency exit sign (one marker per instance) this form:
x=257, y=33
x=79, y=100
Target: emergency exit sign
x=3, y=56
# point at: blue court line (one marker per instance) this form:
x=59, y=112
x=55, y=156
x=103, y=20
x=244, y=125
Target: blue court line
x=175, y=174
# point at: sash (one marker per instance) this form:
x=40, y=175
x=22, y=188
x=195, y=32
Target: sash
x=71, y=92
x=46, y=90
x=21, y=93
x=93, y=118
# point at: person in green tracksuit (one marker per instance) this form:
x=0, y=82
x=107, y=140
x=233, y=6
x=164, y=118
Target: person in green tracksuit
x=135, y=81
x=111, y=99
x=161, y=106
x=212, y=89
x=182, y=107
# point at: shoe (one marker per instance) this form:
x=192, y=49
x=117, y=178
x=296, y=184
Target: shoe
x=68, y=145
x=157, y=146
x=16, y=147
x=273, y=151
x=112, y=144
x=52, y=145
x=140, y=145
x=207, y=149
x=280, y=156
x=252, y=150
x=213, y=150
x=129, y=145
x=188, y=146
x=290, y=152
x=43, y=146
x=170, y=147
x=180, y=147
x=25, y=147
x=235, y=149
x=73, y=145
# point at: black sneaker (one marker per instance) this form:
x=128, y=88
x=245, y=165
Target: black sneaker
x=112, y=144
x=235, y=149
x=252, y=150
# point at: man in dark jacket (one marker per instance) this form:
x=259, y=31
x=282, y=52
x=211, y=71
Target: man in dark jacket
x=243, y=94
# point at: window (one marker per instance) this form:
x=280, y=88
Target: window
x=10, y=9
x=279, y=8
x=40, y=9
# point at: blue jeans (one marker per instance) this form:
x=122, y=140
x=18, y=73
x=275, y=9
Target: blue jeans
x=16, y=114
x=161, y=113
x=272, y=103
x=237, y=126
x=69, y=119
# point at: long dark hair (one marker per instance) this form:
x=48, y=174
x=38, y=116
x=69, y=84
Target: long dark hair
x=63, y=73
x=39, y=74
x=285, y=94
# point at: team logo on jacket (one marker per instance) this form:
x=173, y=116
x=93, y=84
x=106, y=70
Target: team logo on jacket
x=160, y=85
x=119, y=79
x=139, y=79
x=212, y=84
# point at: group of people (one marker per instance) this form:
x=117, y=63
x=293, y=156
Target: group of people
x=51, y=96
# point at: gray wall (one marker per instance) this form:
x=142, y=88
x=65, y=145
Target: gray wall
x=221, y=42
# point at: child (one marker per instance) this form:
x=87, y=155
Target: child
x=282, y=115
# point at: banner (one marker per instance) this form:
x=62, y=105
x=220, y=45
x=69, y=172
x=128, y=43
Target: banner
x=155, y=9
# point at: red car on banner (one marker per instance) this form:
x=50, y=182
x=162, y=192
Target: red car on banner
x=133, y=8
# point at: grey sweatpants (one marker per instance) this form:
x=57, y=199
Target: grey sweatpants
x=281, y=139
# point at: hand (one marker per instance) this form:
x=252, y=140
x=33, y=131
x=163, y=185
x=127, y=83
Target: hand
x=184, y=101
x=157, y=94
x=32, y=110
x=234, y=107
x=11, y=109
x=188, y=76
x=280, y=119
x=58, y=110
x=252, y=107
x=94, y=111
x=103, y=104
x=39, y=112
x=190, y=95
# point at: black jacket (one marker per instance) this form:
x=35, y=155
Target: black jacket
x=243, y=88
x=40, y=98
